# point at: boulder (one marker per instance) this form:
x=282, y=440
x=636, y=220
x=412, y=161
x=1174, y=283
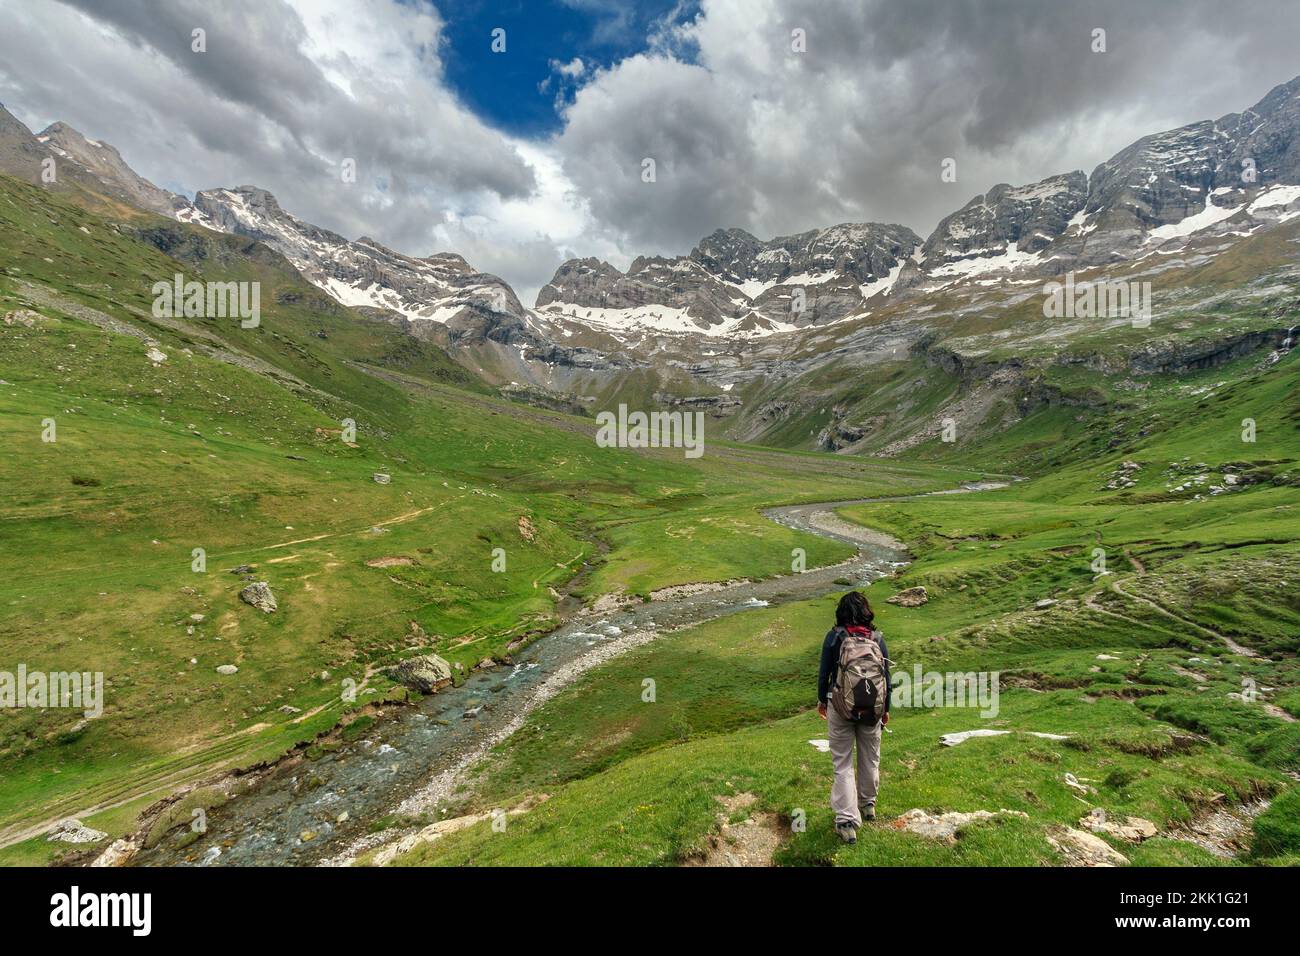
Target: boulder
x=427, y=673
x=910, y=597
x=381, y=478
x=227, y=669
x=259, y=595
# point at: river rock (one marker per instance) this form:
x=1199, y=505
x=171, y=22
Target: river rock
x=259, y=595
x=1084, y=849
x=426, y=673
x=910, y=597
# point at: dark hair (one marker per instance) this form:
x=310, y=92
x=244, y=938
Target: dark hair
x=854, y=611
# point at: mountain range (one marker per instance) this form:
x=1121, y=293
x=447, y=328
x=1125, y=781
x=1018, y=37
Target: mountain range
x=749, y=328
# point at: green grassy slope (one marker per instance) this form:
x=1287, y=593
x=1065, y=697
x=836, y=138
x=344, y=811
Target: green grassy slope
x=233, y=444
x=1137, y=666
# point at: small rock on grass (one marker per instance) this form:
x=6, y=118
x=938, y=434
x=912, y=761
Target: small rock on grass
x=944, y=826
x=259, y=595
x=1085, y=849
x=1132, y=829
x=910, y=597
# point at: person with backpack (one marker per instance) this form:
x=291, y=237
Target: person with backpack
x=853, y=689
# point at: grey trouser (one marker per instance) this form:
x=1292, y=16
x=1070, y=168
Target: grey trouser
x=850, y=798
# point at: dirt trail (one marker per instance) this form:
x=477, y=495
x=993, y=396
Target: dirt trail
x=1165, y=612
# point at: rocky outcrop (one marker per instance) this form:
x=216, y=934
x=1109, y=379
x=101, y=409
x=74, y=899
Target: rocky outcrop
x=1174, y=356
x=1007, y=219
x=74, y=831
x=29, y=158
x=107, y=164
x=24, y=317
x=840, y=435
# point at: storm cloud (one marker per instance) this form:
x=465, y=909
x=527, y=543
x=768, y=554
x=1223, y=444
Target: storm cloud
x=744, y=130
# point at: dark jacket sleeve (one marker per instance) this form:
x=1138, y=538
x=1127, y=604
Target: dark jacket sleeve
x=830, y=660
x=889, y=680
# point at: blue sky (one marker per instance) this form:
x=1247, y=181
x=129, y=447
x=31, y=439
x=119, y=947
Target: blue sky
x=516, y=91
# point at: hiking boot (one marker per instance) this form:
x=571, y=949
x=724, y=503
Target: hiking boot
x=847, y=831
x=868, y=814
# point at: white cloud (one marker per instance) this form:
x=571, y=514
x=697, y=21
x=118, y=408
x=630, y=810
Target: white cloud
x=573, y=69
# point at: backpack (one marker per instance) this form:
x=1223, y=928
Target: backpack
x=859, y=692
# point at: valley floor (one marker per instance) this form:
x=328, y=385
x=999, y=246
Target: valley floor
x=1135, y=596
x=1144, y=707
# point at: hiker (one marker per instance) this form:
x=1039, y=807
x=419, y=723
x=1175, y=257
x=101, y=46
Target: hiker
x=854, y=680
